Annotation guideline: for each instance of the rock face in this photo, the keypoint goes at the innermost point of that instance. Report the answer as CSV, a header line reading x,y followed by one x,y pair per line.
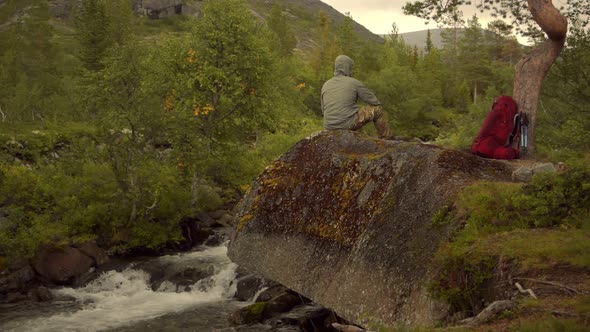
x,y
346,220
62,265
156,9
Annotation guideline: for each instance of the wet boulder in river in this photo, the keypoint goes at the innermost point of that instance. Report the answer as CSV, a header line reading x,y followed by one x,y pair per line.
x,y
61,265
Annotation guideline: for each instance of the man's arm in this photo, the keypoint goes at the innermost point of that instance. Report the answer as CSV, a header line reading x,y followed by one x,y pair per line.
x,y
366,95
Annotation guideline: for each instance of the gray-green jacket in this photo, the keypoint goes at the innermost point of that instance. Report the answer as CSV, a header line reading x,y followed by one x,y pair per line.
x,y
340,95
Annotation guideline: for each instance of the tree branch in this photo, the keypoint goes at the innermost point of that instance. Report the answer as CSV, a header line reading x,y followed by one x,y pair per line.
x,y
551,283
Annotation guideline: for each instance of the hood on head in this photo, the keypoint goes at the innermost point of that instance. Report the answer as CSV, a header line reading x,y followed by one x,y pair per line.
x,y
343,66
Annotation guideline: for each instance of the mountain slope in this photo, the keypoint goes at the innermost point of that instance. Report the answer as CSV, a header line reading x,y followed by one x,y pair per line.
x,y
305,13
302,15
418,38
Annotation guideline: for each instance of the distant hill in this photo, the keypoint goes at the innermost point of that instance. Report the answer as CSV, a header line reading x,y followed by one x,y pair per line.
x,y
418,38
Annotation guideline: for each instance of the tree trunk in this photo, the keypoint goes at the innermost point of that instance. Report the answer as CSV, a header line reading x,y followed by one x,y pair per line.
x,y
532,69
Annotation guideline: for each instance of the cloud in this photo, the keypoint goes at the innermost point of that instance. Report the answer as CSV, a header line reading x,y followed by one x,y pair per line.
x,y
378,15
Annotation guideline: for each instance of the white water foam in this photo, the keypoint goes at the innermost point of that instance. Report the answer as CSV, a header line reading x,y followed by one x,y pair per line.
x,y
123,298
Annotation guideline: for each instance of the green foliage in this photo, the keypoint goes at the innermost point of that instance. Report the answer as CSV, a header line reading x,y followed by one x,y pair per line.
x,y
99,25
461,279
146,116
544,248
207,198
442,216
239,166
550,200
168,117
92,27
57,205
277,23
221,77
564,123
558,200
28,72
498,218
323,56
348,41
462,128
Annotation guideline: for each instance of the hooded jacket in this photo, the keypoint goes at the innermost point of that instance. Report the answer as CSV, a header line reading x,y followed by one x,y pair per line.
x,y
340,95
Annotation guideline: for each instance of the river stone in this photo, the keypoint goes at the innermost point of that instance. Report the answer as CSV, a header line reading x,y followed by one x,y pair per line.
x,y
15,297
226,220
346,220
95,252
261,311
194,233
247,286
40,294
217,214
304,316
17,279
61,265
250,314
526,172
523,174
282,303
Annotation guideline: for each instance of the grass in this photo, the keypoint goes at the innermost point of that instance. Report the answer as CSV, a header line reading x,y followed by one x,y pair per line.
x,y
538,248
544,248
550,324
535,227
23,131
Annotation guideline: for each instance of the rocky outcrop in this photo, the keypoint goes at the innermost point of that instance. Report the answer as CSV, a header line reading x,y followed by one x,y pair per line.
x,y
16,279
61,265
61,8
156,9
347,221
93,251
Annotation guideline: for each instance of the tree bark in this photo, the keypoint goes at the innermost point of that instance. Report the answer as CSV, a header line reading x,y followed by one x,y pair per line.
x,y
532,69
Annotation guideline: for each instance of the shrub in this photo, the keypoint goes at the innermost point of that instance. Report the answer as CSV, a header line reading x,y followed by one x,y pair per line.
x,y
52,204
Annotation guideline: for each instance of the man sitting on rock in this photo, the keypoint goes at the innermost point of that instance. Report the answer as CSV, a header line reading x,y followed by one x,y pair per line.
x,y
339,102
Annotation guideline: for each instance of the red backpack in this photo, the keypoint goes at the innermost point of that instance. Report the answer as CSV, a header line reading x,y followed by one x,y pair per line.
x,y
500,130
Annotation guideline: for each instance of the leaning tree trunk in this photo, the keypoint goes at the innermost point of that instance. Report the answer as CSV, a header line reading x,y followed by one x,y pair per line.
x,y
532,69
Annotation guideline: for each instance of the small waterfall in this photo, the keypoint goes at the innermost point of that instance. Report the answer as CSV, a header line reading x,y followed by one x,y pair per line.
x,y
123,298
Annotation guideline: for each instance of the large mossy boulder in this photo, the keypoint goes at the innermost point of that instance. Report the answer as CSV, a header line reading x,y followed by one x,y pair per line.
x,y
354,222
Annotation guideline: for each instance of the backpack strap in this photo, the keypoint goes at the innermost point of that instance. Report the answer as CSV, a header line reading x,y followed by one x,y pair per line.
x,y
524,133
515,129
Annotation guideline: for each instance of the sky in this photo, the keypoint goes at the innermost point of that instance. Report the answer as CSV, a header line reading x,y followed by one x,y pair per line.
x,y
378,15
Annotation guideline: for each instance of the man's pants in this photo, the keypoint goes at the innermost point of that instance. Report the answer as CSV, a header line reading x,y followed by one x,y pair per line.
x,y
375,114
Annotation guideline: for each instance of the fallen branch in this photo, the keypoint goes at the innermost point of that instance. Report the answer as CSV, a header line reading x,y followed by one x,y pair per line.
x,y
525,291
489,313
572,290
